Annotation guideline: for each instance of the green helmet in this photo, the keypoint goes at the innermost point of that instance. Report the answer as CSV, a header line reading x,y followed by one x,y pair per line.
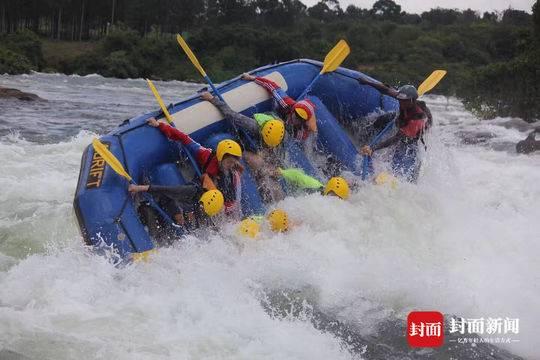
x,y
407,92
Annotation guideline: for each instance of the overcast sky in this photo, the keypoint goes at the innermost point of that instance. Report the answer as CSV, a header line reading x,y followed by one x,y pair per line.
x,y
418,6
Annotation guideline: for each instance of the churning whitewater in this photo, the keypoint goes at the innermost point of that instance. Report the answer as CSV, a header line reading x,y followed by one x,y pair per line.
x,y
463,241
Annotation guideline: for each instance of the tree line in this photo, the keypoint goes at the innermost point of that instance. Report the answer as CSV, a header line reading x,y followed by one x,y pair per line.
x,y
492,57
85,19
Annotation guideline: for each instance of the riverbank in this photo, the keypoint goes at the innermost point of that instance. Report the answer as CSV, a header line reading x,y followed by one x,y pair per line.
x,y
59,55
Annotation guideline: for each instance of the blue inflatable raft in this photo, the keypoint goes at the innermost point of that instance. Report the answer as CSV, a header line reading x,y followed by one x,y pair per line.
x,y
107,214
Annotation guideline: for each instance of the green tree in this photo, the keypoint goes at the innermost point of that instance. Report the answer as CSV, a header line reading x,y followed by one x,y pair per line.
x,y
280,12
515,17
469,16
355,12
27,44
325,10
13,63
232,11
490,17
386,9
536,19
441,16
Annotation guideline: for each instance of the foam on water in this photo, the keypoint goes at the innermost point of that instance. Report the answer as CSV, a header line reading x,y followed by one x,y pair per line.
x,y
463,241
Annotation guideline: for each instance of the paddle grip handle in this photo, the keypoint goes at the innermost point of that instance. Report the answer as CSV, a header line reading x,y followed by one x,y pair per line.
x,y
214,89
365,162
383,132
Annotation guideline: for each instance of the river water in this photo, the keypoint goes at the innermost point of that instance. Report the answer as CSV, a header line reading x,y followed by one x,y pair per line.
x,y
465,241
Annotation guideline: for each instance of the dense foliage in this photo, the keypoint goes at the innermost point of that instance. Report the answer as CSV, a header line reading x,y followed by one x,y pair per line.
x,y
492,58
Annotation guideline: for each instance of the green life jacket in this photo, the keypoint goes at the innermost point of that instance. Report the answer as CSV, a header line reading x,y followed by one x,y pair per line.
x,y
263,118
299,179
257,218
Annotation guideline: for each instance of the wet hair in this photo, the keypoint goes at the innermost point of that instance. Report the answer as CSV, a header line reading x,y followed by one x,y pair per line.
x,y
238,165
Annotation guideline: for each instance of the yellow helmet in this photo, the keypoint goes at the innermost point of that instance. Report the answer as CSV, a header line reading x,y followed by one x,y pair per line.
x,y
273,132
386,178
305,109
212,202
228,146
249,228
279,220
338,186
302,113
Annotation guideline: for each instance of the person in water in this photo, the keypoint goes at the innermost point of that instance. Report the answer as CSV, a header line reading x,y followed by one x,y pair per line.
x,y
189,205
222,167
278,219
296,179
413,120
299,115
530,144
268,130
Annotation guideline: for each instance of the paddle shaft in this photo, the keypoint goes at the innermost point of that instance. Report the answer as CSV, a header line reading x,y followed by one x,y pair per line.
x,y
308,88
183,44
374,142
162,212
189,155
332,61
383,132
214,89
193,162
168,116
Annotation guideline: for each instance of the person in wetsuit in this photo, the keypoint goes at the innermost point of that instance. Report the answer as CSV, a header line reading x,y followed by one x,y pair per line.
x,y
413,120
222,167
268,130
189,205
299,116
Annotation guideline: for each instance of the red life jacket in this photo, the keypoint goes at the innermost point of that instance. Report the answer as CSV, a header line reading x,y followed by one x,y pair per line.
x,y
412,122
230,186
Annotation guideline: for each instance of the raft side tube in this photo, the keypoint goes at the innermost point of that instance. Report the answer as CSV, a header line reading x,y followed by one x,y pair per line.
x,y
100,200
332,139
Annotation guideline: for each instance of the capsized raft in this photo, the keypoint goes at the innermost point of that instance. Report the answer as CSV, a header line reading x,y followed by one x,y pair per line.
x,y
107,214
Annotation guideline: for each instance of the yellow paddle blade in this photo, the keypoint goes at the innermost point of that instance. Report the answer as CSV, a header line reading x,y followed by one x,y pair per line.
x,y
431,81
160,101
110,158
336,56
190,54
